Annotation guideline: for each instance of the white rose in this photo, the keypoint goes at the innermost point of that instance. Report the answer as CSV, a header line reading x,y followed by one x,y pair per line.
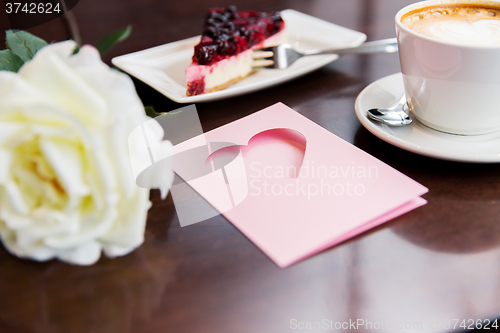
x,y
67,189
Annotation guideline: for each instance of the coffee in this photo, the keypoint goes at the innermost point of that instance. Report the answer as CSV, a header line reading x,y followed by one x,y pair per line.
x,y
465,24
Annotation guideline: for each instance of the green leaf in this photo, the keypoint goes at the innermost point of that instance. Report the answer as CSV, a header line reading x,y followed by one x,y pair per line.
x,y
24,44
150,111
115,37
10,61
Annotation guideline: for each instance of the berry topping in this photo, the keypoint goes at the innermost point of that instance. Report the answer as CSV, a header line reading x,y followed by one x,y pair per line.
x,y
227,32
196,87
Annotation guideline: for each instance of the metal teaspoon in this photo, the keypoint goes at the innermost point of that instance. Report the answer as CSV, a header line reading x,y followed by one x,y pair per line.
x,y
392,116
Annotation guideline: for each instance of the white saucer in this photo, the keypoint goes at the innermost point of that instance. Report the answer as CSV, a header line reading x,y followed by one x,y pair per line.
x,y
163,67
419,138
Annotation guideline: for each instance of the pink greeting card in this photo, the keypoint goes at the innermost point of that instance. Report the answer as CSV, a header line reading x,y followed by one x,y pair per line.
x,y
292,187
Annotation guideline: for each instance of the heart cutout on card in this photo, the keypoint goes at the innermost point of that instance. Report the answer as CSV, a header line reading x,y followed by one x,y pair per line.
x,y
274,153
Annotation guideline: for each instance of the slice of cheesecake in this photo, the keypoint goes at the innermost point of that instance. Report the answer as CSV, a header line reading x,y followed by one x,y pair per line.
x,y
224,54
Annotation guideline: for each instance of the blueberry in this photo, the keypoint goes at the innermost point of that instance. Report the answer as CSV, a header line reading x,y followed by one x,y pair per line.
x,y
204,54
276,16
277,26
229,26
211,32
218,18
231,48
223,35
210,22
241,31
221,47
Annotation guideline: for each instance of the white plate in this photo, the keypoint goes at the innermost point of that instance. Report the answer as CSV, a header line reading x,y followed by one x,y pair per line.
x,y
162,67
419,138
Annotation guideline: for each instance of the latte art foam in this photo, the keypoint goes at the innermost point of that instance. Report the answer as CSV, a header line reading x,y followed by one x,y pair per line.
x,y
459,24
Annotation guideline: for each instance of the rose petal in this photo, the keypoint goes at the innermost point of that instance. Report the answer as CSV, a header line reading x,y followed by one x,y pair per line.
x,y
51,75
113,251
57,132
62,49
38,253
89,231
67,164
10,130
45,223
15,93
139,155
15,198
150,157
86,254
87,56
5,162
120,158
12,219
128,230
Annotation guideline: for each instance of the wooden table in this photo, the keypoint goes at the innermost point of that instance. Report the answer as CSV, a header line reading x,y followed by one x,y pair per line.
x,y
437,264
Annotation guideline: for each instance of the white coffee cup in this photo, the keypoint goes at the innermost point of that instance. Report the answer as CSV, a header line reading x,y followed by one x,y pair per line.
x,y
451,86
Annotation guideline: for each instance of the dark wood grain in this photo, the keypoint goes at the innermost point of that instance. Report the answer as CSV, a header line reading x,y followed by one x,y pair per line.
x,y
439,262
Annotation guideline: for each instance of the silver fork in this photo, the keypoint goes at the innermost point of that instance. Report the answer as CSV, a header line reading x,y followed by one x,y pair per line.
x,y
282,56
